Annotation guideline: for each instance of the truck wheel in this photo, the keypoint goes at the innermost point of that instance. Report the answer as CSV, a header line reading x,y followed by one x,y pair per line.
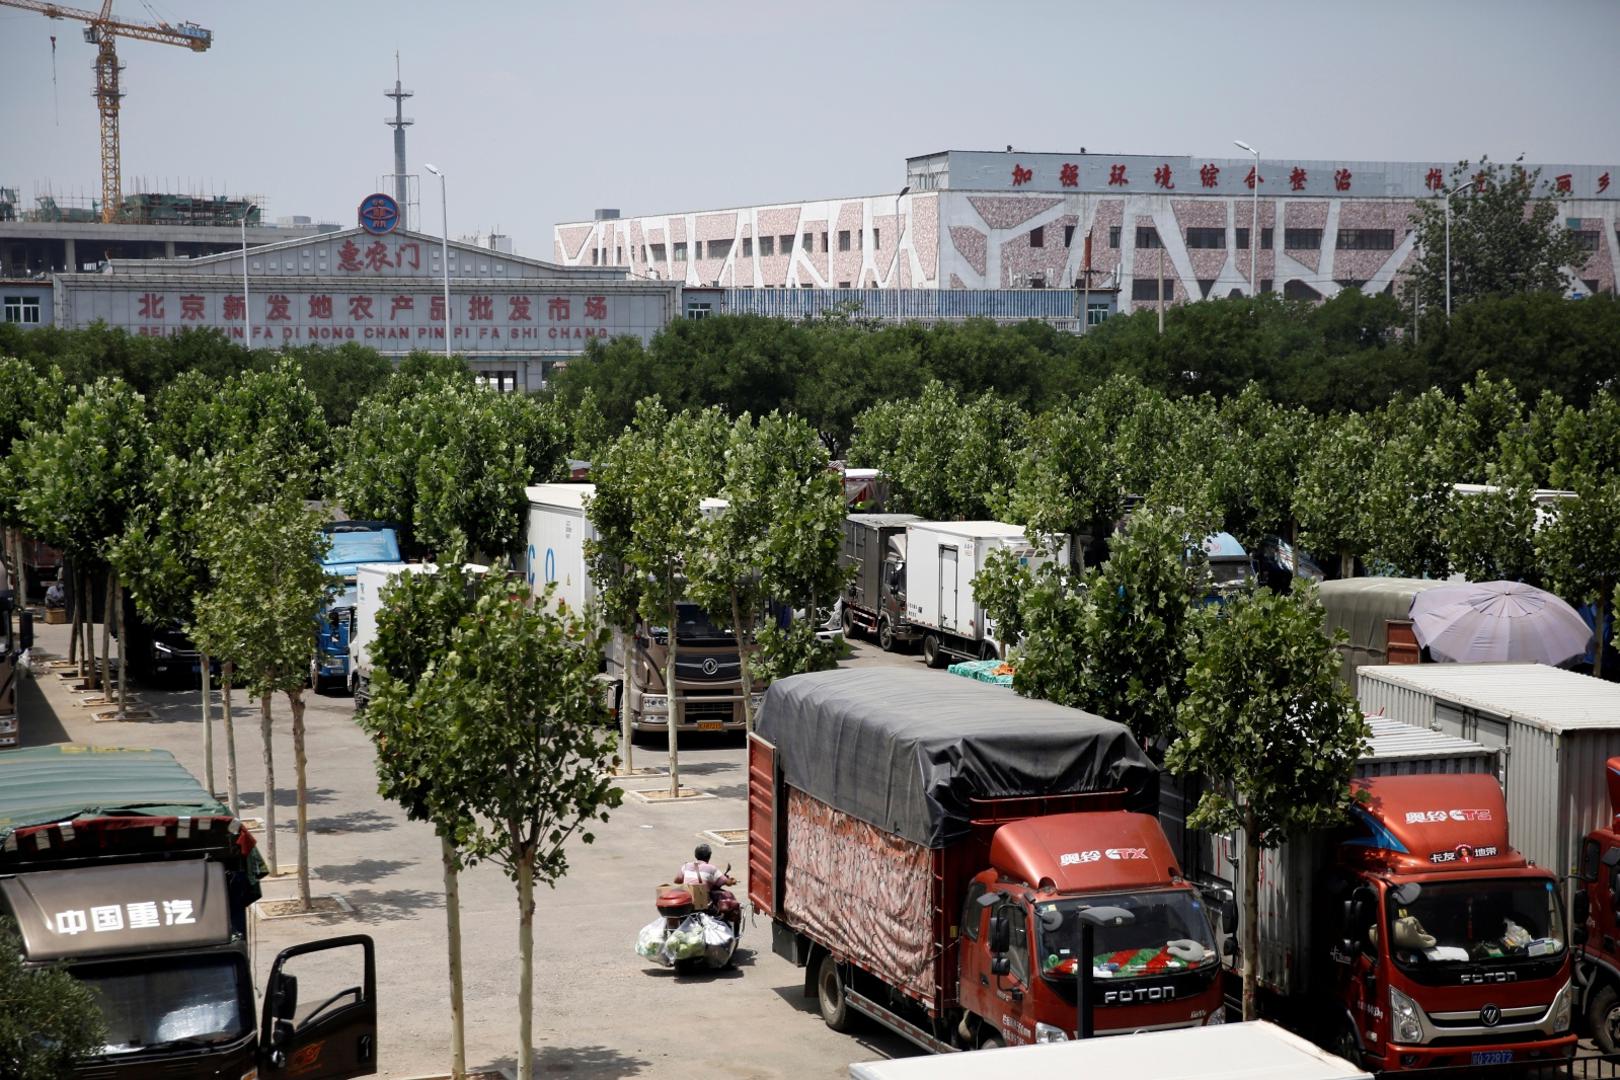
x,y
830,995
886,634
1345,1044
932,656
1603,1017
848,620
989,1042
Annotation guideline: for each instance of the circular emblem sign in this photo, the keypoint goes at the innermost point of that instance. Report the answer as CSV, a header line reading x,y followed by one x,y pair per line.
x,y
379,214
1490,1016
709,666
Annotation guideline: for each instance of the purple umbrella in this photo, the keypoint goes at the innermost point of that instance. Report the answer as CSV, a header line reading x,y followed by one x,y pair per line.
x,y
1506,621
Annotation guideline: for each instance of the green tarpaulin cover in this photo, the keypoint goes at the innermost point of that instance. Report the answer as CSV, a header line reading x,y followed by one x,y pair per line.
x,y
42,784
984,671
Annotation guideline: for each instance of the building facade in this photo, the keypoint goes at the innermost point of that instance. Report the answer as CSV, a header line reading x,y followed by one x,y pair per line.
x,y
974,220
512,318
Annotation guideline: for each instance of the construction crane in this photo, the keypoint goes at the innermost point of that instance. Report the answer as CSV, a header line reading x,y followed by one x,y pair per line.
x,y
103,32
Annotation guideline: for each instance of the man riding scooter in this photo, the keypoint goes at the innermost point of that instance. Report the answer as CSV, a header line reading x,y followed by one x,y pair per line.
x,y
700,871
699,922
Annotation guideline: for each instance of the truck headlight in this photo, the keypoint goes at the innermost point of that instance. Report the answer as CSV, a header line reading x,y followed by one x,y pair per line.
x,y
1216,1015
1563,1006
1046,1033
654,702
162,649
1407,1017
755,701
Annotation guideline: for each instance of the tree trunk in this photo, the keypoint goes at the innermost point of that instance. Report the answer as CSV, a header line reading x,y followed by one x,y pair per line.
x,y
742,662
208,726
452,925
295,699
123,637
226,673
75,654
269,784
671,711
525,869
1251,915
106,643
627,684
1347,564
1602,622
87,652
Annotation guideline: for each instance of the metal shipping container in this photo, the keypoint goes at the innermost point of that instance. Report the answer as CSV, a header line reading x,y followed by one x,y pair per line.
x,y
1555,728
1289,872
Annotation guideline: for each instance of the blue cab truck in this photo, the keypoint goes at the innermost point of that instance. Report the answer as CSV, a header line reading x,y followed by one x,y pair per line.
x,y
352,543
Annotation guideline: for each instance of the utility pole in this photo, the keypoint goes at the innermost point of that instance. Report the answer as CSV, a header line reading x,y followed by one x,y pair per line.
x,y
1161,280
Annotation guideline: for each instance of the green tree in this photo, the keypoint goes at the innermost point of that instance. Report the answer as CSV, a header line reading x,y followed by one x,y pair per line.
x,y
520,707
415,628
1332,501
1506,238
1273,730
1580,547
51,1021
1066,480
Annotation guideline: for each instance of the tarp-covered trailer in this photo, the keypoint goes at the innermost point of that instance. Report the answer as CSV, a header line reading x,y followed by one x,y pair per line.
x,y
1375,614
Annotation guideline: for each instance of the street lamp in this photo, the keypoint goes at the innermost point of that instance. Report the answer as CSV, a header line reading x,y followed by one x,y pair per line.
x,y
1090,919
1448,196
247,307
899,235
444,254
1254,225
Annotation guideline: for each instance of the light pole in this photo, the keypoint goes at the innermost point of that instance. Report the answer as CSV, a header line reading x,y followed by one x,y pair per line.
x,y
1448,196
247,306
444,254
1090,919
899,235
1254,225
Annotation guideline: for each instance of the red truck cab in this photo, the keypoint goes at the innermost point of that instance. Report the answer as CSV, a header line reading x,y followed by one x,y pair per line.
x,y
1161,971
1453,950
1597,915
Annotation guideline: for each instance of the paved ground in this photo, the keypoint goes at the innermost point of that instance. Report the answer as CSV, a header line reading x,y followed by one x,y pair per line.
x,y
601,1011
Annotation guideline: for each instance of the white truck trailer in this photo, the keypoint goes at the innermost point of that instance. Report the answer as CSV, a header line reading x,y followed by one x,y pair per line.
x,y
370,579
942,559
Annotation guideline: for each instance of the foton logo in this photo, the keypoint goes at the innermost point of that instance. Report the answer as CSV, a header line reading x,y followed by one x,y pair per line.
x,y
1489,977
1140,994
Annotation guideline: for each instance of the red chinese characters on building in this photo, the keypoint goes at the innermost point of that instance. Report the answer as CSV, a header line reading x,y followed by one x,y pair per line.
x,y
1341,180
596,307
360,307
349,256
517,309
1296,179
276,308
1069,175
480,308
1162,177
1561,183
235,307
1209,175
1021,176
411,251
377,256
1249,181
558,308
1434,180
192,306
1116,176
1603,183
436,309
151,305
1482,180
399,304
320,306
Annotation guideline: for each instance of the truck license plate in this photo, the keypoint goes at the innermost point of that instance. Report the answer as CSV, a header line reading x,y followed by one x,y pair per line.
x,y
711,725
1492,1057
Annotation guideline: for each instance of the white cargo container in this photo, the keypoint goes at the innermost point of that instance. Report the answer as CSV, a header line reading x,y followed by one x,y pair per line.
x,y
370,579
1253,1051
942,559
1290,872
1555,728
555,545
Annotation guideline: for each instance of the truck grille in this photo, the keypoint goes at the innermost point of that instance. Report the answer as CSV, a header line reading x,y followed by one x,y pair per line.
x,y
699,710
708,668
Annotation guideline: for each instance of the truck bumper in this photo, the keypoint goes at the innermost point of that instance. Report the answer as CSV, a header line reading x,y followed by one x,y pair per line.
x,y
1398,1058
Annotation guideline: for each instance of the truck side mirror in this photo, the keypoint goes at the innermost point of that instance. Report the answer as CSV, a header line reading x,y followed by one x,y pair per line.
x,y
283,1004
1000,935
1229,947
1000,965
25,629
1581,909
1587,866
1229,916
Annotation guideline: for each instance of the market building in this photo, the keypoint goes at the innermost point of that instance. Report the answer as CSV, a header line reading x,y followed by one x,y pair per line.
x,y
978,221
513,318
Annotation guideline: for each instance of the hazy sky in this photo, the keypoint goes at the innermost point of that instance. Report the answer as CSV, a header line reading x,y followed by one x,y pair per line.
x,y
539,113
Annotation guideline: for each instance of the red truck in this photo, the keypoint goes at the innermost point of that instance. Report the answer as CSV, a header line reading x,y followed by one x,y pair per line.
x,y
927,850
1416,936
1597,916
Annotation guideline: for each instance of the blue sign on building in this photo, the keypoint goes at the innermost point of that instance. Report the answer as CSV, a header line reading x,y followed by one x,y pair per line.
x,y
379,214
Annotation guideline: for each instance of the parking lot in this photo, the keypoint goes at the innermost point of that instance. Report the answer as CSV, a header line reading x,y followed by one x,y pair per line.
x,y
601,1011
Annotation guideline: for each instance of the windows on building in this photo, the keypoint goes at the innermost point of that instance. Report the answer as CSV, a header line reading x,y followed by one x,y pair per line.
x,y
748,246
1037,236
1096,313
1589,239
719,249
784,243
824,245
680,252
22,309
1243,239
1302,239
1366,240
504,381
1203,237
1147,237
843,239
1113,236
699,309
767,246
876,243
655,253
1068,236
1146,290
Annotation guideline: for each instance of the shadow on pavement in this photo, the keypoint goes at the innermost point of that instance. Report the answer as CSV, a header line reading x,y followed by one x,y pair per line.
x,y
285,796
359,872
37,721
579,1061
356,821
374,906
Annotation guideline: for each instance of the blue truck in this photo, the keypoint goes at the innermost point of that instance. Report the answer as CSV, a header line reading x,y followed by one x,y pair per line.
x,y
352,543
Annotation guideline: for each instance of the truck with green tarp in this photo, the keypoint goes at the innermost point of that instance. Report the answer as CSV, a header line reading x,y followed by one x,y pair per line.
x,y
118,866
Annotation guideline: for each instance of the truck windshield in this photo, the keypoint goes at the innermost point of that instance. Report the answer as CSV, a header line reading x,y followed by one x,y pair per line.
x,y
1170,934
1474,921
151,1003
693,627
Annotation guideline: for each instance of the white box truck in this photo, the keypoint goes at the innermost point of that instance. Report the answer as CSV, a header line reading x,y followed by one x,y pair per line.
x,y
370,579
942,559
708,675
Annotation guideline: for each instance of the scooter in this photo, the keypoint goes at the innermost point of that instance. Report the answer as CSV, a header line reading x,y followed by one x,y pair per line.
x,y
675,904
